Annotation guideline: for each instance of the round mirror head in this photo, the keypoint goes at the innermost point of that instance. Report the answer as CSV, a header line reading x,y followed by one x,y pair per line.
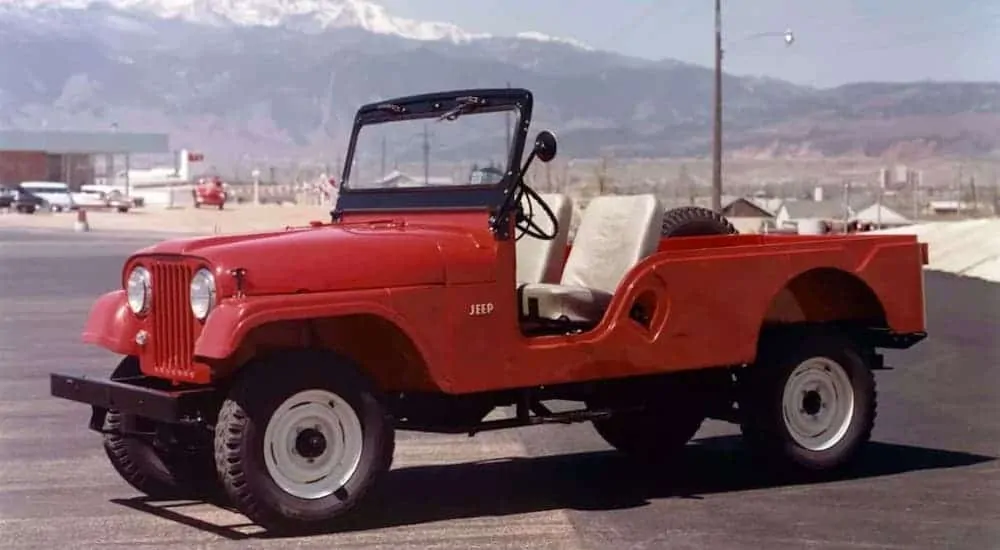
x,y
545,146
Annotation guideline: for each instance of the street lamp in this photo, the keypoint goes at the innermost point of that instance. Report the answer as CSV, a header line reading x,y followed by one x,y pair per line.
x,y
789,38
255,177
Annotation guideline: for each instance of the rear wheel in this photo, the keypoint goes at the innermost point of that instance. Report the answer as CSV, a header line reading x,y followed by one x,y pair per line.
x,y
809,404
160,463
298,451
673,409
671,418
654,434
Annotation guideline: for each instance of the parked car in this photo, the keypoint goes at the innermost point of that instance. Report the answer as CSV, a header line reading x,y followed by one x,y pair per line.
x,y
20,200
56,195
278,366
210,191
103,196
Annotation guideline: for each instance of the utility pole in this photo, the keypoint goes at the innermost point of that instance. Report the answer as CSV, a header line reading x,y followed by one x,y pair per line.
x,y
427,157
958,190
717,130
975,196
383,158
789,37
507,115
878,215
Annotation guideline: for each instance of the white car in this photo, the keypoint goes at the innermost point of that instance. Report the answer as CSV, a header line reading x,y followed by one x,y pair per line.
x,y
56,194
102,196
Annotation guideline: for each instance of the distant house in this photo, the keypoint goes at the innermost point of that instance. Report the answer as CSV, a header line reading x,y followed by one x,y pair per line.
x,y
880,215
792,212
744,207
748,215
947,206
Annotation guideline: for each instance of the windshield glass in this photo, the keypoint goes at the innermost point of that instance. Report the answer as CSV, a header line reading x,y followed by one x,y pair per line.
x,y
471,149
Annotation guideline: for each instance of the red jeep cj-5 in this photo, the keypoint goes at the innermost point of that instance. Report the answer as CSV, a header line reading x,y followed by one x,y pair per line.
x,y
278,366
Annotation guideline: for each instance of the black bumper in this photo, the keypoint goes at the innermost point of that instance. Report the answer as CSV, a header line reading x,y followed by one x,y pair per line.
x,y
140,396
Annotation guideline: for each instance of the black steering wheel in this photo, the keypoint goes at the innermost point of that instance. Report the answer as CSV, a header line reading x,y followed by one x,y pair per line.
x,y
526,223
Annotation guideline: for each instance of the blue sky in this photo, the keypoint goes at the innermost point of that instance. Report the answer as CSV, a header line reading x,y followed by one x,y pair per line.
x,y
837,41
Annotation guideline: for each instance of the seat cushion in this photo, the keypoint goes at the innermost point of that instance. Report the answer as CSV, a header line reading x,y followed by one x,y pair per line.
x,y
554,302
615,233
538,261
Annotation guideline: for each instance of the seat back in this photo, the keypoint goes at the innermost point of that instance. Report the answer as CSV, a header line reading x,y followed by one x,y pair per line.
x,y
615,233
536,259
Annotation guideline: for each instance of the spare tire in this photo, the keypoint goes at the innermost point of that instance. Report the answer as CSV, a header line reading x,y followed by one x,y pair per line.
x,y
695,221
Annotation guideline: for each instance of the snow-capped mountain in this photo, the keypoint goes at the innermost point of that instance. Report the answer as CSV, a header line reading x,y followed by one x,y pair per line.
x,y
303,15
284,77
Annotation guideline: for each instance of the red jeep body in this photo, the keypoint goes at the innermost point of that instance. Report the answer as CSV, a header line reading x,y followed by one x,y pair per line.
x,y
415,304
705,315
210,191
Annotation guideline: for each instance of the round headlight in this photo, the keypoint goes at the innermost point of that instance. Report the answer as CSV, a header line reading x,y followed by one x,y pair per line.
x,y
202,293
139,289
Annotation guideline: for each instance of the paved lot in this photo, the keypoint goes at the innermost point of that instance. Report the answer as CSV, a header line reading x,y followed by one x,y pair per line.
x,y
930,481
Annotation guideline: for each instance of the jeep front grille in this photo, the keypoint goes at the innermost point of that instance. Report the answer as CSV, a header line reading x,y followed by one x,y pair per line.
x,y
173,327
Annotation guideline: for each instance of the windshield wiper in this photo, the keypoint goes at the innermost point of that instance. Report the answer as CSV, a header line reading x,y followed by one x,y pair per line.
x,y
465,104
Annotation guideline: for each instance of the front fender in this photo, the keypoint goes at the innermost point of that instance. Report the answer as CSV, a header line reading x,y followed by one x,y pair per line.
x,y
231,321
111,324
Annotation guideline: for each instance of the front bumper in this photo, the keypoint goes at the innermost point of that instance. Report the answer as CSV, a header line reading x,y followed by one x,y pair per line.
x,y
140,396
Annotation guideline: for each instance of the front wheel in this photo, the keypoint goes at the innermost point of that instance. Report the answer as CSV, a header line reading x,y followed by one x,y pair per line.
x,y
162,464
299,451
810,404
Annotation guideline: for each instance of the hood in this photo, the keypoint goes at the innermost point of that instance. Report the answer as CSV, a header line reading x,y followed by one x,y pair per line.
x,y
341,257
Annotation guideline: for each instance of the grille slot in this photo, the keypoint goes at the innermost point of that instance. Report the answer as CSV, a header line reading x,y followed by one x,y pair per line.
x,y
173,326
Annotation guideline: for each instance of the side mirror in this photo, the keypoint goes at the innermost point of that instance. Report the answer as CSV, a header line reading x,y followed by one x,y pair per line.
x,y
545,146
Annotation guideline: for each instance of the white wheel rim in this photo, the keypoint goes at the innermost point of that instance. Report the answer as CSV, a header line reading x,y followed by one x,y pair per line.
x,y
818,403
312,444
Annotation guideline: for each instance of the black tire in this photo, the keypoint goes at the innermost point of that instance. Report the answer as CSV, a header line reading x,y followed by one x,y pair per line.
x,y
675,408
659,432
695,221
240,440
652,435
763,388
159,471
221,206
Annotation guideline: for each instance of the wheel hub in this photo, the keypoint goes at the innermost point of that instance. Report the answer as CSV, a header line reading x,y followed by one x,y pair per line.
x,y
818,404
310,443
812,402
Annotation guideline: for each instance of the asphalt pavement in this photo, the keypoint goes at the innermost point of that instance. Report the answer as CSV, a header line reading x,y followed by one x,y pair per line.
x,y
931,479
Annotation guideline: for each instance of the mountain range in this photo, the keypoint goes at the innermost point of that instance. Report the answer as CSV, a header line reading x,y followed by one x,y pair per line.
x,y
283,78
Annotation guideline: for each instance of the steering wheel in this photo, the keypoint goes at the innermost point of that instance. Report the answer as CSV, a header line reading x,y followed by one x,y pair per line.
x,y
527,224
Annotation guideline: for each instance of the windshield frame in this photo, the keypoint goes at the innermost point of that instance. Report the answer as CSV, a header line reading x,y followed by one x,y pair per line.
x,y
518,102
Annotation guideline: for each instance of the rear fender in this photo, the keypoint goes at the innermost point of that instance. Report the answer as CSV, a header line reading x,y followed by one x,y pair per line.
x,y
111,324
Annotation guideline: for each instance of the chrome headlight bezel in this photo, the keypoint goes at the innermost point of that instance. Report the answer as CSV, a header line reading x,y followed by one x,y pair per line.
x,y
202,293
139,290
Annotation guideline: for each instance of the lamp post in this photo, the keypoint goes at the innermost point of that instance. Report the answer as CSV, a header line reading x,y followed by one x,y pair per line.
x,y
789,38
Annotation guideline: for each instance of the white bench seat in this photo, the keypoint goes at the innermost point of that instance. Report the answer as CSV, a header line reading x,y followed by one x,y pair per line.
x,y
615,233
